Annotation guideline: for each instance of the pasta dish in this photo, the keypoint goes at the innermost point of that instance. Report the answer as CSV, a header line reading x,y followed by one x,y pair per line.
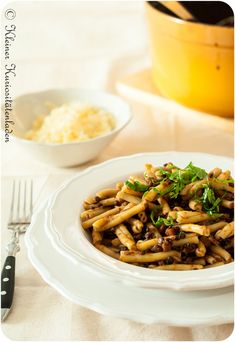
x,y
169,218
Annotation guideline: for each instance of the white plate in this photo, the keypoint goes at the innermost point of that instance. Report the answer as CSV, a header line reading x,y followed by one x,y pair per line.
x,y
68,236
81,286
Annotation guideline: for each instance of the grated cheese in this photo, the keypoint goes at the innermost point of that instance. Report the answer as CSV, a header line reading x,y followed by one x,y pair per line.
x,y
71,122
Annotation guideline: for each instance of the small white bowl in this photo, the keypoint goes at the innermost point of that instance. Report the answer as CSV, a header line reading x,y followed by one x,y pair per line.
x,y
28,107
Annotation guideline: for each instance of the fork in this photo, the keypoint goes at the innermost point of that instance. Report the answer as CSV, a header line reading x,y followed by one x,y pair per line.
x,y
19,219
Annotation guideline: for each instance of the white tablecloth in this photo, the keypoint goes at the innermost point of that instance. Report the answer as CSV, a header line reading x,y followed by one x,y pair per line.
x,y
88,45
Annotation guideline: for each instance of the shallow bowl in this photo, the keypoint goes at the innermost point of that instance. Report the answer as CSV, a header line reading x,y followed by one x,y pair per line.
x,y
69,238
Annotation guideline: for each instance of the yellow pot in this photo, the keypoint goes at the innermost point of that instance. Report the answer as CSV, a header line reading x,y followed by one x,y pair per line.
x,y
193,63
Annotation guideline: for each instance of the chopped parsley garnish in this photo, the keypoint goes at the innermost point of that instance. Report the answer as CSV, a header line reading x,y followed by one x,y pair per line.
x,y
209,201
161,220
217,215
169,190
181,178
137,186
164,191
196,173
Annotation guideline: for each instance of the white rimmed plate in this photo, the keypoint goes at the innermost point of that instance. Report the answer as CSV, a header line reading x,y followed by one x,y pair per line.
x,y
70,239
81,286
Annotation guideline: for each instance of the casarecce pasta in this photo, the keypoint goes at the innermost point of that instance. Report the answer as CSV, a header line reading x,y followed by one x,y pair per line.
x,y
169,218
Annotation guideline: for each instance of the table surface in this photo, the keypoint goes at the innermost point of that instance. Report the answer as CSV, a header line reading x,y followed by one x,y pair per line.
x,y
57,54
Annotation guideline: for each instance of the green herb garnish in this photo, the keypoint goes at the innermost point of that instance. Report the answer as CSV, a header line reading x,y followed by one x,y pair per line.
x,y
195,172
181,178
209,201
161,220
137,186
217,215
169,190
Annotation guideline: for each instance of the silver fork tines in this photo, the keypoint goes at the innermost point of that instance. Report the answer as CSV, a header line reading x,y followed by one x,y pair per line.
x,y
21,205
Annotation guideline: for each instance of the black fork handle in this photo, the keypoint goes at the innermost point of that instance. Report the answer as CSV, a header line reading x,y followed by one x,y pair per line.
x,y
8,282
